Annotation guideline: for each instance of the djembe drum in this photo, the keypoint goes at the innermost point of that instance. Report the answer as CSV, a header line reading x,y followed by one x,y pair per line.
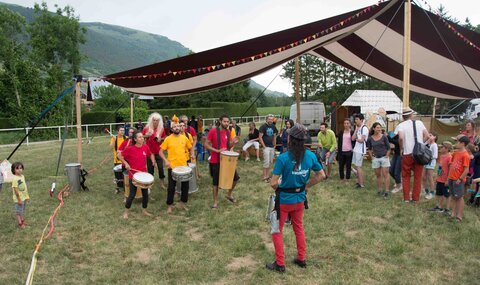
x,y
228,164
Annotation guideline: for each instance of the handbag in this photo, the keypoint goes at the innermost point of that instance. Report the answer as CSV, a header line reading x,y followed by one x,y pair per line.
x,y
422,154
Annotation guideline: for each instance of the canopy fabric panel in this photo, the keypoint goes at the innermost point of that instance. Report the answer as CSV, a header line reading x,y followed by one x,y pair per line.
x,y
368,40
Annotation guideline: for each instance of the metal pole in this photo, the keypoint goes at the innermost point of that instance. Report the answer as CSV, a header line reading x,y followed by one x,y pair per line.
x,y
79,122
406,54
297,88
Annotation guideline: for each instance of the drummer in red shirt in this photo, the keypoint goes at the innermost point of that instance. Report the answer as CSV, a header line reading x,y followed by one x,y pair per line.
x,y
134,158
212,145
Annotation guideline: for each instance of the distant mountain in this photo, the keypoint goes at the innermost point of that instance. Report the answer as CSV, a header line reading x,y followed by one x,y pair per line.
x,y
109,48
269,93
112,48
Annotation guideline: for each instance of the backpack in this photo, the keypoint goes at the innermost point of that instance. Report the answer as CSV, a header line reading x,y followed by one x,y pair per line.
x,y
422,154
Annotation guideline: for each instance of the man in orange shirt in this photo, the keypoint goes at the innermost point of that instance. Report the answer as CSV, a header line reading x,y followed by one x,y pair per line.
x,y
458,175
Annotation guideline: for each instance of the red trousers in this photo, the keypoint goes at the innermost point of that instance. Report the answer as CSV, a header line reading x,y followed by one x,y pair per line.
x,y
408,164
296,214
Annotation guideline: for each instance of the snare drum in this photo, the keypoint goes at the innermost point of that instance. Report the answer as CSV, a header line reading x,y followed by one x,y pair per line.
x,y
182,173
117,171
192,184
228,164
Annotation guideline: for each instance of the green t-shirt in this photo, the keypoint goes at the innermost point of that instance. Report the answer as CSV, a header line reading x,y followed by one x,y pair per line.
x,y
19,182
328,140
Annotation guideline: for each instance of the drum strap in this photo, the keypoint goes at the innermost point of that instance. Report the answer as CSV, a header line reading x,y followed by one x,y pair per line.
x,y
292,190
219,140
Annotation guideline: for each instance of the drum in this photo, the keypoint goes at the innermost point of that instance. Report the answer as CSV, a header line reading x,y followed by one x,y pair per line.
x,y
182,173
117,170
127,188
143,180
228,164
192,184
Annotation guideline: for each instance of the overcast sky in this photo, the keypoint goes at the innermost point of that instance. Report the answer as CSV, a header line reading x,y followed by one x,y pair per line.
x,y
205,24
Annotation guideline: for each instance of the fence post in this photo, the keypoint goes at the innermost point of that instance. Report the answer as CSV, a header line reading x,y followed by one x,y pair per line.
x,y
26,133
59,136
86,126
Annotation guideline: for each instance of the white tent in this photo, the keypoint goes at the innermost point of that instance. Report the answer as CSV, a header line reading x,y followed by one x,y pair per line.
x,y
373,103
370,101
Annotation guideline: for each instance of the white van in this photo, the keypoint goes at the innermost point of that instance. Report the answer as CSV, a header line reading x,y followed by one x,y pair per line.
x,y
473,109
312,114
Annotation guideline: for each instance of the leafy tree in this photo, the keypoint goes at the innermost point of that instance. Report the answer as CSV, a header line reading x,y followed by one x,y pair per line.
x,y
238,92
112,97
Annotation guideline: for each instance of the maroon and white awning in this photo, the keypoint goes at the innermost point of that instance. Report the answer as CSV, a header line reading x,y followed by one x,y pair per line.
x,y
445,57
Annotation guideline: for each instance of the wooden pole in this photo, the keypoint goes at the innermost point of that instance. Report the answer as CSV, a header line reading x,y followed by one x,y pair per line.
x,y
79,122
297,88
131,110
406,54
433,112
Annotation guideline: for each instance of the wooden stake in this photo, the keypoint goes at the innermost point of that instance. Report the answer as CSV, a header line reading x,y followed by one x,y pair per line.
x,y
297,88
406,54
79,123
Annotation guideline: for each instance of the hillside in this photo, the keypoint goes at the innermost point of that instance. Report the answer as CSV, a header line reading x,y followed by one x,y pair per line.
x,y
269,93
110,48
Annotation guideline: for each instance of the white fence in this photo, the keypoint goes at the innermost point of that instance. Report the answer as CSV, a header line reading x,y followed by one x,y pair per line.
x,y
113,126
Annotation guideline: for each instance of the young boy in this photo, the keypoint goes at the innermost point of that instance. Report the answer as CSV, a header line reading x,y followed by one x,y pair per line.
x,y
458,175
429,168
442,177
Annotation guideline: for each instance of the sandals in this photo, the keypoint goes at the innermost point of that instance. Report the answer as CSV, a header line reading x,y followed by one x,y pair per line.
x,y
267,179
231,199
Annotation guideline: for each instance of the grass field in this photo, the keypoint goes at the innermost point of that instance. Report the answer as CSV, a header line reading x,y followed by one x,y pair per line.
x,y
353,236
274,110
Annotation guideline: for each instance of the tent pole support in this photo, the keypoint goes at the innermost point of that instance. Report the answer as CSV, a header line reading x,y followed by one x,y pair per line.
x,y
406,54
79,121
297,88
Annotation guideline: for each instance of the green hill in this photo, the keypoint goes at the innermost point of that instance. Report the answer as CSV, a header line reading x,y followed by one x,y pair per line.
x,y
110,48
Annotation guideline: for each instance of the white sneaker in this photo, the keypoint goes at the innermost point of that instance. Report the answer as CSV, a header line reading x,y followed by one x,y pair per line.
x,y
397,189
258,159
247,158
429,196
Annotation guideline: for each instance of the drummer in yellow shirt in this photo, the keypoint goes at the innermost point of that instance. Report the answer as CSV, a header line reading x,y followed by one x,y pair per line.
x,y
176,146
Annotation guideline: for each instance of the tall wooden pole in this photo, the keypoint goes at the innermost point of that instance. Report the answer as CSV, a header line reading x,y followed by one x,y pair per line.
x,y
131,110
297,88
79,122
433,112
406,54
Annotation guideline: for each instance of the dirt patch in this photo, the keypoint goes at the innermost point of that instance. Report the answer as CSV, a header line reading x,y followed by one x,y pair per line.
x,y
194,234
144,255
351,234
267,241
244,261
378,220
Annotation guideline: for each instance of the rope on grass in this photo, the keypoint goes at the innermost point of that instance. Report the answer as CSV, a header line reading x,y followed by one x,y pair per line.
x,y
51,222
45,236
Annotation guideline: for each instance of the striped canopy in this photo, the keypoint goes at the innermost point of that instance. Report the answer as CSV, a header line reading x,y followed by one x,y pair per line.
x,y
445,57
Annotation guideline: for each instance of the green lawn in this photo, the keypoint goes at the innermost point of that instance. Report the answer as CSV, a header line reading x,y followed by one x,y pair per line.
x,y
353,236
274,110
